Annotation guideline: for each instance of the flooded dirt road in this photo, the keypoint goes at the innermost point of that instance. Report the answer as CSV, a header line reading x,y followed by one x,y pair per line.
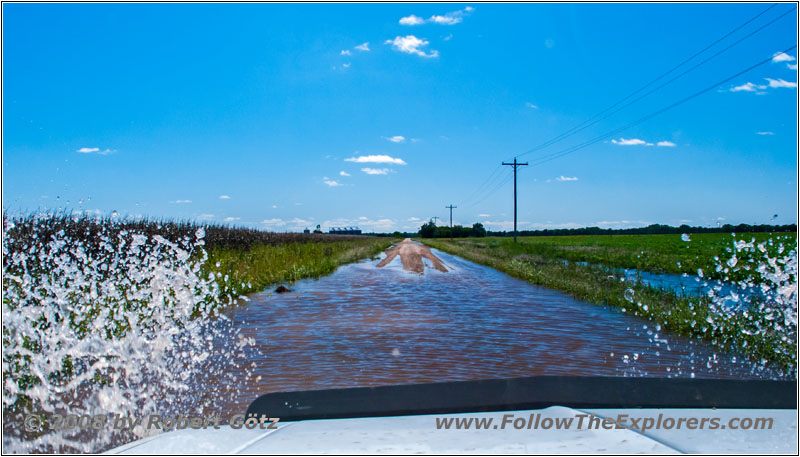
x,y
370,326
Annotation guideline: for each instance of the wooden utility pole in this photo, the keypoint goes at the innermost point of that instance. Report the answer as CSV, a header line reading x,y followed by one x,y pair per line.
x,y
433,219
515,165
451,219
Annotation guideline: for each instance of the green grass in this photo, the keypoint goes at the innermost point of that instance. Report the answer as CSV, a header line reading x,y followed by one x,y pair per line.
x,y
653,253
540,260
262,266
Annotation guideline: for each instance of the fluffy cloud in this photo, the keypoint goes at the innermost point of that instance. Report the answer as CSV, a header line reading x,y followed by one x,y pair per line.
x,y
182,201
224,197
667,144
447,19
531,105
331,182
375,171
765,133
748,87
760,88
395,139
362,47
376,159
410,44
345,52
451,18
781,83
412,20
631,142
344,173
782,57
231,219
791,66
563,178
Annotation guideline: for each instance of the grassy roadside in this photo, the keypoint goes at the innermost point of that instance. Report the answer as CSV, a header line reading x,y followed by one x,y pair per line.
x,y
242,271
746,333
653,253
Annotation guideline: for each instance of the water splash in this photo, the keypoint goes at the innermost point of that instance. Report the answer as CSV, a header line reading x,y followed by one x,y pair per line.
x,y
117,323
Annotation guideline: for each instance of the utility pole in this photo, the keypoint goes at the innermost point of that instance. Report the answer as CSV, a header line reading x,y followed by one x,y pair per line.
x,y
433,219
451,219
515,165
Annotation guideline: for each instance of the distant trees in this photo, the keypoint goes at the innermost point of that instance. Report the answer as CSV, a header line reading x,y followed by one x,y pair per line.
x,y
653,229
431,230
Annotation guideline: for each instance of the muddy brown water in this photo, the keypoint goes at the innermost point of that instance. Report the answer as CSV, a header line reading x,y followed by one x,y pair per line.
x,y
367,326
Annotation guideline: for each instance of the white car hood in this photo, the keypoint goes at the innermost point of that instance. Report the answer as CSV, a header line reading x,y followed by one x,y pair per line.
x,y
419,434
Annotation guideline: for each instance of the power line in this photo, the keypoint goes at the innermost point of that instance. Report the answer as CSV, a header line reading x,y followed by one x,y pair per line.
x,y
593,120
673,79
492,191
477,190
570,150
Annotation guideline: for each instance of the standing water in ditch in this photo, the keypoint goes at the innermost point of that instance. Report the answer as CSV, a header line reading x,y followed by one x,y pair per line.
x,y
369,326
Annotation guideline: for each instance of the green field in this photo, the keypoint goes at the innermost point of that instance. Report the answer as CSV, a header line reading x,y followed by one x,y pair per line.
x,y
653,253
541,260
243,271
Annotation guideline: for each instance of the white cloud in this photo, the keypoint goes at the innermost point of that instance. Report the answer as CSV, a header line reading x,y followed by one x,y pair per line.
x,y
411,20
346,65
375,171
631,142
765,133
275,222
410,44
782,57
98,151
331,183
665,143
791,66
231,219
395,139
345,52
362,47
376,159
448,37
451,18
274,206
414,219
531,105
484,215
224,197
182,201
344,173
781,83
367,225
748,87
759,88
205,217
563,178
447,19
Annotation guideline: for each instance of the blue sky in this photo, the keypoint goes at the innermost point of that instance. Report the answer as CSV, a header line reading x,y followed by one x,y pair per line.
x,y
287,116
